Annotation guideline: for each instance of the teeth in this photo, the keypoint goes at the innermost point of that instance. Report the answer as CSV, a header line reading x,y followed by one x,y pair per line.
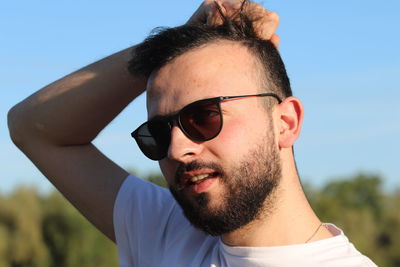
x,y
198,177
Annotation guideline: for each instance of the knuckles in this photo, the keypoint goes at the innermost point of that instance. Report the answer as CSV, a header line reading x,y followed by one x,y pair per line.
x,y
265,21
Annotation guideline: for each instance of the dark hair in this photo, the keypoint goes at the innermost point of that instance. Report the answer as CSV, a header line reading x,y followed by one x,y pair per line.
x,y
165,44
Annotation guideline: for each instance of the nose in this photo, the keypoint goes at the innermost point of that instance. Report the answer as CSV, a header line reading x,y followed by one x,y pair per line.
x,y
182,148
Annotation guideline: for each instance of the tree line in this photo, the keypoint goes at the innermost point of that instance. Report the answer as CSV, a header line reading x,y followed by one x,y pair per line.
x,y
39,230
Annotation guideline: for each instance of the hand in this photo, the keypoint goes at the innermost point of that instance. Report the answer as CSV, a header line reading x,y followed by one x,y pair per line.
x,y
265,22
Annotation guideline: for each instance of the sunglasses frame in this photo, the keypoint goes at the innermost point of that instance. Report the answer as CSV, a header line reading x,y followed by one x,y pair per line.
x,y
170,120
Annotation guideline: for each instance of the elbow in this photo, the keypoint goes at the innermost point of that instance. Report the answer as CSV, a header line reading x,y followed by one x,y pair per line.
x,y
15,126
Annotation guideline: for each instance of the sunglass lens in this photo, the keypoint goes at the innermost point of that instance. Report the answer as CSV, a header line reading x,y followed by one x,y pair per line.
x,y
201,121
153,139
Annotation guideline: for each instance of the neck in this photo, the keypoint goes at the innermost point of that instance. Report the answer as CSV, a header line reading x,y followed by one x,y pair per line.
x,y
289,221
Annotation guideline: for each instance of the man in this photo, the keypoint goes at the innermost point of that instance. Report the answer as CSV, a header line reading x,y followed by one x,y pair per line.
x,y
222,124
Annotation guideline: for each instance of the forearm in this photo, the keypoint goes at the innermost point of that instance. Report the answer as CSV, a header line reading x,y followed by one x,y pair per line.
x,y
74,109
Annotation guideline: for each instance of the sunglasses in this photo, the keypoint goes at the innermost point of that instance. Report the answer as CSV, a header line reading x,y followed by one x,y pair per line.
x,y
200,121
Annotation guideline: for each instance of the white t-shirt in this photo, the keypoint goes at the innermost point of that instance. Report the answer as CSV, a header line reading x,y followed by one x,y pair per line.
x,y
151,230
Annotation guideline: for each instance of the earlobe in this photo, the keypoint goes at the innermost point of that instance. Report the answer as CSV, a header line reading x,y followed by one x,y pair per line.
x,y
290,113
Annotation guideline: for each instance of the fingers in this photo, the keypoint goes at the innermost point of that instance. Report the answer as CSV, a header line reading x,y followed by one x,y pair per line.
x,y
204,13
212,13
232,7
275,39
216,14
265,22
209,12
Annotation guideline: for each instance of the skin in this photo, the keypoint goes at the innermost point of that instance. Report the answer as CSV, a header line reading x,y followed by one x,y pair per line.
x,y
172,93
211,71
265,21
55,128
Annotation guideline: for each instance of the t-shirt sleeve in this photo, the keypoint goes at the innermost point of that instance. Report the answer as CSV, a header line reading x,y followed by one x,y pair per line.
x,y
143,215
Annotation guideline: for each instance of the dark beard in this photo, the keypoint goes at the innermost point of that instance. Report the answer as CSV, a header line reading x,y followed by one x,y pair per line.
x,y
249,192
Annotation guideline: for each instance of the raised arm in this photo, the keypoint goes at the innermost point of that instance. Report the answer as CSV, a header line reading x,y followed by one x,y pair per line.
x,y
55,126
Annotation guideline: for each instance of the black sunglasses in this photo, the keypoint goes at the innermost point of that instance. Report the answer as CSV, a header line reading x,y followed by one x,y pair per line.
x,y
199,121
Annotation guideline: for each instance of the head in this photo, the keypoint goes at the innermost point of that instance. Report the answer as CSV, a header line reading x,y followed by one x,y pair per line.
x,y
166,44
229,181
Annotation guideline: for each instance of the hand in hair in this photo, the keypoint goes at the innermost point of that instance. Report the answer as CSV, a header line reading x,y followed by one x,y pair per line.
x,y
214,12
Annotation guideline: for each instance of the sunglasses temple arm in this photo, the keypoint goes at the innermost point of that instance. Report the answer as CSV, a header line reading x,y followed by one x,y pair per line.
x,y
256,95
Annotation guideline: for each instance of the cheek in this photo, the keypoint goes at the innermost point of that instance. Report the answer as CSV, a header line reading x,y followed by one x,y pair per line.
x,y
231,140
238,135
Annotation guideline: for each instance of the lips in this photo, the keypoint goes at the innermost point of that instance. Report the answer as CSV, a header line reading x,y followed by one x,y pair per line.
x,y
198,181
199,177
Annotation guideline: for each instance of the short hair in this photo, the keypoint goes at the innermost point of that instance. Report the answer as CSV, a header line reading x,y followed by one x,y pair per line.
x,y
165,44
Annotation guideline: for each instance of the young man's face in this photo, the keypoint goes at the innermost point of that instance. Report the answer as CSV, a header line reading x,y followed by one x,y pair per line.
x,y
237,170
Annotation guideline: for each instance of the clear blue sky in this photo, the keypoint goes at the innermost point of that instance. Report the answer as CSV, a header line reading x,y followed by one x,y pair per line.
x,y
342,57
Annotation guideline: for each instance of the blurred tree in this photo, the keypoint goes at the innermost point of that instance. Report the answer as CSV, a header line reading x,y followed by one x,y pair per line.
x,y
46,230
389,231
72,240
359,207
4,237
20,218
157,178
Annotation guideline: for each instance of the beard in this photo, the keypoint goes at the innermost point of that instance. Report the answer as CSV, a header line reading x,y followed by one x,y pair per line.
x,y
249,188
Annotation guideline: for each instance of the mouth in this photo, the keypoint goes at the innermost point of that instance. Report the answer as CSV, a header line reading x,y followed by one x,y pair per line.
x,y
200,177
198,182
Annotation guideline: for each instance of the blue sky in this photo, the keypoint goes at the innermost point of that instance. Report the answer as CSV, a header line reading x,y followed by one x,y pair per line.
x,y
342,57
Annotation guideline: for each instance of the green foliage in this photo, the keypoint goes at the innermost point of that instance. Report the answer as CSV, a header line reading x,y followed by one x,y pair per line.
x,y
70,231
20,224
364,212
47,231
157,178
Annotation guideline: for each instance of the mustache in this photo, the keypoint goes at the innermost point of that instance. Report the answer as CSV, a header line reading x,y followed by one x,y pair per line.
x,y
193,166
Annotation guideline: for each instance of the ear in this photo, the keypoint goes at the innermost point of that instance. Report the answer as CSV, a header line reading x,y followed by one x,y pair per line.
x,y
290,118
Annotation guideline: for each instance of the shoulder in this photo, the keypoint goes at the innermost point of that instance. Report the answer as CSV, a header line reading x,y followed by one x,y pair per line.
x,y
150,227
338,250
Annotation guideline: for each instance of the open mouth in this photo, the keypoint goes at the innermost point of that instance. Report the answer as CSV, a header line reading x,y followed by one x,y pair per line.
x,y
198,183
201,177
197,179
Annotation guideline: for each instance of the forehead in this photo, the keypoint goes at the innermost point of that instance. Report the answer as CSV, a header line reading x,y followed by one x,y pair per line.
x,y
217,69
